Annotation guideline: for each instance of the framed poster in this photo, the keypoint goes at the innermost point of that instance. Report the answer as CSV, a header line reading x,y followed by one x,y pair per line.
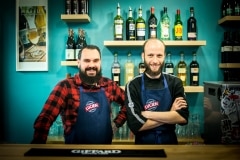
x,y
31,35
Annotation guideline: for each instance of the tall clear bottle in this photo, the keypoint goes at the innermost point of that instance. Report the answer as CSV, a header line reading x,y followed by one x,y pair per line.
x,y
118,25
152,24
169,66
116,69
194,71
165,25
182,69
130,26
140,26
129,68
178,27
70,46
192,26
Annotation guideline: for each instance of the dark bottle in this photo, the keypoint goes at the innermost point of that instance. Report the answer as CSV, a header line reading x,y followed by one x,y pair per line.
x,y
83,6
169,66
194,71
236,47
192,26
223,8
236,7
178,27
141,67
140,26
130,26
152,25
75,6
229,8
116,69
70,46
68,6
81,42
226,48
23,29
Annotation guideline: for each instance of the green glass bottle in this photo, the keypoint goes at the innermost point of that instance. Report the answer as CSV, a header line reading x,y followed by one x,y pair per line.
x,y
118,25
140,26
130,26
165,25
178,27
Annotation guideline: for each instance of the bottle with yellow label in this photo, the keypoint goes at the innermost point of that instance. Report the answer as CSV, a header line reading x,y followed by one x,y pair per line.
x,y
178,27
129,69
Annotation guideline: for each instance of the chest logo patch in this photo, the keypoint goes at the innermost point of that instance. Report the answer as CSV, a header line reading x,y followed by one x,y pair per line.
x,y
151,105
91,106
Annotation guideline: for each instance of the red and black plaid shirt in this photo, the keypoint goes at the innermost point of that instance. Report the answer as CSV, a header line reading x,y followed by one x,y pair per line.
x,y
65,100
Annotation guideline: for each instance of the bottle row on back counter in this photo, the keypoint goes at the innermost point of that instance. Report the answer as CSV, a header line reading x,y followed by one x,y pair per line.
x,y
136,29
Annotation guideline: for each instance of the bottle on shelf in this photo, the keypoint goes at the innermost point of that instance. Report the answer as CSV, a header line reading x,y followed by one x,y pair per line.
x,y
140,26
236,5
178,27
40,22
194,71
229,8
129,69
84,6
81,41
75,6
70,46
165,25
223,8
152,24
226,48
182,69
192,26
236,47
118,25
68,6
130,26
169,66
116,69
141,67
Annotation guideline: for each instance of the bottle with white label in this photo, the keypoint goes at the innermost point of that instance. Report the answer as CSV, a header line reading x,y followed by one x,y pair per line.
x,y
129,69
70,46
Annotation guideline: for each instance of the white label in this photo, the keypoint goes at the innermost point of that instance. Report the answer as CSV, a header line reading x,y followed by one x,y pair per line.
x,y
69,54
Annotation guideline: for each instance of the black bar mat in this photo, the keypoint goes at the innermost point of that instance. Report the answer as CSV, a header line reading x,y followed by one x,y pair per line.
x,y
95,152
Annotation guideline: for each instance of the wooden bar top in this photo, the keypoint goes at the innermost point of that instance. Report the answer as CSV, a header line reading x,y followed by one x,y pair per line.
x,y
173,152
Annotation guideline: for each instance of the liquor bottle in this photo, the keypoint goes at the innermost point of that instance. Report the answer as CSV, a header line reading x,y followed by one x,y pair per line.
x,y
129,69
118,25
194,71
182,69
40,22
130,26
75,6
192,26
236,6
226,48
178,27
116,69
84,6
68,6
81,41
236,47
165,25
229,8
141,67
223,8
140,26
152,25
169,66
70,46
23,29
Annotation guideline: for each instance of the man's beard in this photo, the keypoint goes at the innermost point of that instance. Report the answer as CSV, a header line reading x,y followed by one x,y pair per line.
x,y
153,73
90,79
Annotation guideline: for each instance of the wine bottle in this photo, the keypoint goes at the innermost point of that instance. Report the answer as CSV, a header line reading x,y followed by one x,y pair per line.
x,y
182,69
140,26
229,8
236,6
81,42
75,6
226,48
194,71
178,27
223,8
236,47
130,26
70,46
169,66
192,26
84,6
40,22
68,6
118,25
141,67
116,69
152,25
165,25
129,69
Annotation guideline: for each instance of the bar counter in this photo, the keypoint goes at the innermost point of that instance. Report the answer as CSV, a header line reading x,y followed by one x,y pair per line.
x,y
173,152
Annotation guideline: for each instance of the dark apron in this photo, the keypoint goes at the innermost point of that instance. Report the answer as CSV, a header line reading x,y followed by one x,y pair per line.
x,y
93,125
157,100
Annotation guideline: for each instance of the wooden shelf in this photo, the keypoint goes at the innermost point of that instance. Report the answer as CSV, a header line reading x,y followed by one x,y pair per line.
x,y
167,43
227,19
75,17
188,89
68,63
229,65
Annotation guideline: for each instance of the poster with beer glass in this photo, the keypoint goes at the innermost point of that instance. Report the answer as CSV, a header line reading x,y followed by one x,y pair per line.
x,y
31,35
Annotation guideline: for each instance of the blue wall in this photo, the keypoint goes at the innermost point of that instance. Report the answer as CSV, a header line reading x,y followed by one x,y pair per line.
x,y
25,92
